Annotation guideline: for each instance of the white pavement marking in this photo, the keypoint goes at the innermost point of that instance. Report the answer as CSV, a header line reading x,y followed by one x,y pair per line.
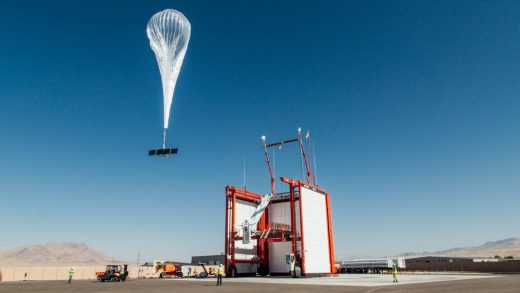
x,y
351,280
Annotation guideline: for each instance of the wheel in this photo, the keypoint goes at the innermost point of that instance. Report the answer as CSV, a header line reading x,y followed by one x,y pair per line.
x,y
232,272
297,271
100,279
263,271
114,279
163,275
180,274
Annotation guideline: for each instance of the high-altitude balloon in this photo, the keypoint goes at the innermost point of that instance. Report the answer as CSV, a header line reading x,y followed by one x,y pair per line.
x,y
169,33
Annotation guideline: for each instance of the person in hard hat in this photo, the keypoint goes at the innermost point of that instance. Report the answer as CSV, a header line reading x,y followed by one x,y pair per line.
x,y
122,273
394,274
71,274
220,272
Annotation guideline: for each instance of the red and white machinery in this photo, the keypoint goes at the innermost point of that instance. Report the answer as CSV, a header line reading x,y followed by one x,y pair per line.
x,y
288,233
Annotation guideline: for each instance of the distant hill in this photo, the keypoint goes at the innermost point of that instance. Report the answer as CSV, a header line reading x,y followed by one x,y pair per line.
x,y
504,247
50,254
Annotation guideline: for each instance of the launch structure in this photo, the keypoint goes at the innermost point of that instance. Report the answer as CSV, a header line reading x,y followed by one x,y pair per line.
x,y
286,233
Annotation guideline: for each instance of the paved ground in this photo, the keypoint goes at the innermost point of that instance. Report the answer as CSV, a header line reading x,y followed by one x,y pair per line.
x,y
413,283
364,280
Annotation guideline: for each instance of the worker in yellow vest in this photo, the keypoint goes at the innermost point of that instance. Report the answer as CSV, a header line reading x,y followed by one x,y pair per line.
x,y
122,273
220,273
71,274
394,274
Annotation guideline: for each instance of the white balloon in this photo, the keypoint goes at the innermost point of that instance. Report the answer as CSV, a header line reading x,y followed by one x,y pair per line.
x,y
169,33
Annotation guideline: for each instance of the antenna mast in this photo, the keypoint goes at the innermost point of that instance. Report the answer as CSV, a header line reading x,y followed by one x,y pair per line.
x,y
315,172
245,185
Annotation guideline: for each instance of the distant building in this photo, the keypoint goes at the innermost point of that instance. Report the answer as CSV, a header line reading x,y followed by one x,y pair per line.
x,y
375,265
216,259
485,259
449,259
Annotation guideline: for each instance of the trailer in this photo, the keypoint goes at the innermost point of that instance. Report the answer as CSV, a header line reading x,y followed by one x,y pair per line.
x,y
377,265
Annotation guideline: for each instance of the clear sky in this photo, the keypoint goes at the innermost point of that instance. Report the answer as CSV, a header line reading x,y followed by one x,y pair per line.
x,y
413,107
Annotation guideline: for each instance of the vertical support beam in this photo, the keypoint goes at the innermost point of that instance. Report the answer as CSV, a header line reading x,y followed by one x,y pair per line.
x,y
233,230
261,243
292,185
226,241
293,221
266,243
331,238
301,229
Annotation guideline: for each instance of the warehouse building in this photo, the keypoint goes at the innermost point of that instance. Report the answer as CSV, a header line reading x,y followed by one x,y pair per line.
x,y
215,259
449,259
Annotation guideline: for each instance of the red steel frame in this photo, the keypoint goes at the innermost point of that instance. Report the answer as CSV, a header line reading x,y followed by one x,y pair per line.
x,y
262,258
232,194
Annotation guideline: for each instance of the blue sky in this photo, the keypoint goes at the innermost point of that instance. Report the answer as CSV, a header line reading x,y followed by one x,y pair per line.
x,y
413,107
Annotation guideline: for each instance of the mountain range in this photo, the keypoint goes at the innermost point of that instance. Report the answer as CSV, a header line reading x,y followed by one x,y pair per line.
x,y
503,248
51,254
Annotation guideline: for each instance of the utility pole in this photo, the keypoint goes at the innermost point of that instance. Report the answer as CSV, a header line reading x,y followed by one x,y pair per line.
x,y
138,268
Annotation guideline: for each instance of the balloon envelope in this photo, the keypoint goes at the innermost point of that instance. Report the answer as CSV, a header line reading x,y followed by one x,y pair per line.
x,y
169,33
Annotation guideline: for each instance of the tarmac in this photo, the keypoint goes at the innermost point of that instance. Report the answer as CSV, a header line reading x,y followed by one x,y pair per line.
x,y
363,280
343,283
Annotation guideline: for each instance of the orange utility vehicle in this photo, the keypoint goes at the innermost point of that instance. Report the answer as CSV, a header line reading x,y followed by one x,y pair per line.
x,y
112,273
166,269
